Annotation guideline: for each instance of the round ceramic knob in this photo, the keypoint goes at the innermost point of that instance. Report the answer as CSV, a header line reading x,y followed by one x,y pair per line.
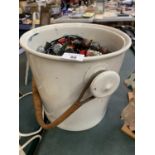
x,y
105,84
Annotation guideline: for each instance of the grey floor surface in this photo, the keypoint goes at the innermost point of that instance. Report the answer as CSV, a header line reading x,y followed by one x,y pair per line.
x,y
104,139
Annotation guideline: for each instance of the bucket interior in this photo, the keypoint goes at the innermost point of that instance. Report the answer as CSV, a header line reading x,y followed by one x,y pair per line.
x,y
105,36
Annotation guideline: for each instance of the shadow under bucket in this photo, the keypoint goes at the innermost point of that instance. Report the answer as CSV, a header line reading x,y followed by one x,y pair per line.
x,y
60,81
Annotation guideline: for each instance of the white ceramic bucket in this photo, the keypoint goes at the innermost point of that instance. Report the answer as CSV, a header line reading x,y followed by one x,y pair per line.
x,y
60,81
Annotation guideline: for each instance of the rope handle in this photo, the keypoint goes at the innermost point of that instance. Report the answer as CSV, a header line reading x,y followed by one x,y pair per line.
x,y
78,103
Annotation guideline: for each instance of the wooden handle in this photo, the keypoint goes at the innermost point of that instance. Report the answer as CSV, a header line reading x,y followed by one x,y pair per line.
x,y
38,105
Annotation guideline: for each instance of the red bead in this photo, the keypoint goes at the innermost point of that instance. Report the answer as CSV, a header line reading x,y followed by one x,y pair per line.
x,y
62,40
83,52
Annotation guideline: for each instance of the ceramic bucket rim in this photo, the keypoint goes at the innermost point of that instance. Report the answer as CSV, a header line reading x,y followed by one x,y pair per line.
x,y
26,36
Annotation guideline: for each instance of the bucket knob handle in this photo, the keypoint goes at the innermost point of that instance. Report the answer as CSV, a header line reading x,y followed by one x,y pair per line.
x,y
105,84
